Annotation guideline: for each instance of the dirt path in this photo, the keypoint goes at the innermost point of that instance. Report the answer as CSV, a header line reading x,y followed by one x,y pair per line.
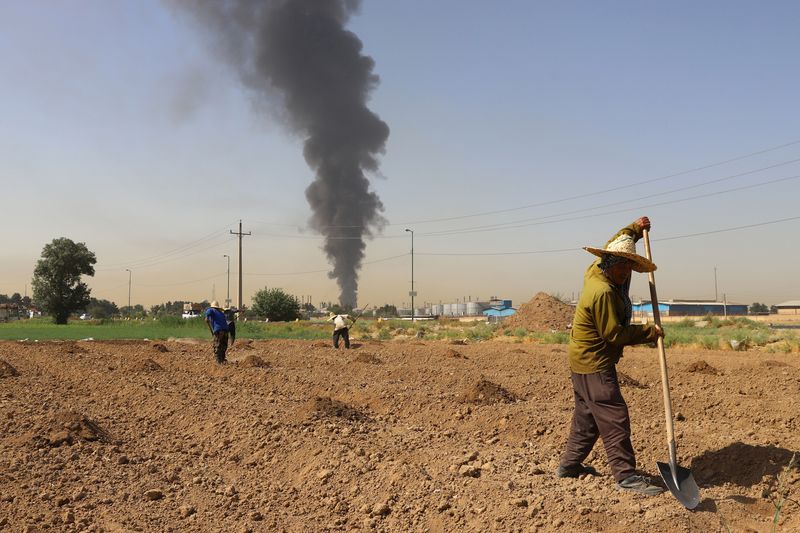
x,y
396,436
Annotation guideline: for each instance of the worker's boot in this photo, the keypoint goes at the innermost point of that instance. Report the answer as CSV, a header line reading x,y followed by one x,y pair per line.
x,y
639,485
575,471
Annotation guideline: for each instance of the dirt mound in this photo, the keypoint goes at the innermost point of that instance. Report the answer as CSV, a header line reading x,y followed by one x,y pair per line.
x,y
365,357
320,344
73,348
160,347
542,313
701,367
518,350
773,363
244,345
6,370
69,428
146,365
485,392
325,407
626,381
254,361
454,353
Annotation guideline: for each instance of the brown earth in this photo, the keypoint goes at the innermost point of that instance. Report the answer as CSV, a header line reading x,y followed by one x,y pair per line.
x,y
542,313
94,439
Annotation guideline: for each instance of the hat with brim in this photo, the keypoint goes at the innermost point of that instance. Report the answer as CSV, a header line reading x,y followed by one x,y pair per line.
x,y
215,305
624,246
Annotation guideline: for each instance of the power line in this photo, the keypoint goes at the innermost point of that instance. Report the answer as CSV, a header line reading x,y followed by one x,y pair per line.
x,y
293,273
604,191
675,237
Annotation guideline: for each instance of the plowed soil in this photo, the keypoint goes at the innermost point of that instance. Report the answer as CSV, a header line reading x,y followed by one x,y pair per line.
x,y
394,436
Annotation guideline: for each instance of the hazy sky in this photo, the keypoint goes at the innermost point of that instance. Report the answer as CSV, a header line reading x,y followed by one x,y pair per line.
x,y
540,127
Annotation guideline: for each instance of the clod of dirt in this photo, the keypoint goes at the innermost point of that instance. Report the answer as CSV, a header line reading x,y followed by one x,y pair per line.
x,y
147,365
518,350
325,407
6,370
320,344
486,393
626,381
459,342
69,428
365,357
72,348
160,347
542,313
773,363
454,353
244,345
254,361
702,367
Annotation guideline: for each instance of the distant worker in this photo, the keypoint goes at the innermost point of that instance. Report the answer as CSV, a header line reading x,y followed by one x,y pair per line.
x,y
230,318
341,328
218,325
601,328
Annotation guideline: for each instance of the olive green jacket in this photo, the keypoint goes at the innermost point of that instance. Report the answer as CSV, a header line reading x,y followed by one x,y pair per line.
x,y
598,330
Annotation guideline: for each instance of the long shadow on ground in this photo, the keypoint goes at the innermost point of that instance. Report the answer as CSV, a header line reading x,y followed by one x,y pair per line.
x,y
741,464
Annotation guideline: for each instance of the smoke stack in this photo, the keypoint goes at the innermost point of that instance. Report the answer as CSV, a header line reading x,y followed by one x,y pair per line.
x,y
298,53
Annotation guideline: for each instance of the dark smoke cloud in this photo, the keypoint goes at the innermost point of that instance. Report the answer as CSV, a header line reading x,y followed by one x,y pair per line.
x,y
300,52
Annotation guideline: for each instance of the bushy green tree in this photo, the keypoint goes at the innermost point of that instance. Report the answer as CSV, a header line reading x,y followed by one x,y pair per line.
x,y
386,311
758,308
101,308
57,285
276,305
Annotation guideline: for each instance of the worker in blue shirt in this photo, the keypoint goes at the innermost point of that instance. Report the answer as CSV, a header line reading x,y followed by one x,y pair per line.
x,y
218,325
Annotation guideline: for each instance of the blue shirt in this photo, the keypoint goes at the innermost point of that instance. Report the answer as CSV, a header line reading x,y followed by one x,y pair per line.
x,y
217,320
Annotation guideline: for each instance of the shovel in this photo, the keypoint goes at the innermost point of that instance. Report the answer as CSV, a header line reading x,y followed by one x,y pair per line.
x,y
678,479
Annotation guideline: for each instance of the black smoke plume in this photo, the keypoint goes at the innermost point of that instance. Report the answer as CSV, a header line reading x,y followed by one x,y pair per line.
x,y
299,52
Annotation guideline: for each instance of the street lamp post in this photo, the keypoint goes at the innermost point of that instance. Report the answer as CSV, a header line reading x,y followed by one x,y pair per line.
x,y
412,293
129,290
228,299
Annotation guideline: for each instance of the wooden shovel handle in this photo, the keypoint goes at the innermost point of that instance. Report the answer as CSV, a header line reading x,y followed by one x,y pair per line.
x,y
662,355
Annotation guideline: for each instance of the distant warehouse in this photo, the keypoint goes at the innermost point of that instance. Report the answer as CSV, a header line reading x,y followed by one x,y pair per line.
x,y
690,308
792,307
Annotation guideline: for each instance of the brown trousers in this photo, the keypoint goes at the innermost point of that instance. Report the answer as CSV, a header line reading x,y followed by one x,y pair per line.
x,y
600,411
220,345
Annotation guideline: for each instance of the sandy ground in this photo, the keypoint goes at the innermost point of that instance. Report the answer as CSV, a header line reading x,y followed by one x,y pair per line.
x,y
397,436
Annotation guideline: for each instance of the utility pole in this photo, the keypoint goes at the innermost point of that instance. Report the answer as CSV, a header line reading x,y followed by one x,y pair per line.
x,y
228,299
412,293
715,284
129,291
240,234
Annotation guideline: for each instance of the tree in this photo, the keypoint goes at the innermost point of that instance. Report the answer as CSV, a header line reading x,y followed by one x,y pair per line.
x,y
101,308
57,285
386,311
276,305
759,309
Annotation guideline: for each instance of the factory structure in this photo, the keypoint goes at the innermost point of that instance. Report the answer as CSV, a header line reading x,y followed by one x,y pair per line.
x,y
494,307
644,308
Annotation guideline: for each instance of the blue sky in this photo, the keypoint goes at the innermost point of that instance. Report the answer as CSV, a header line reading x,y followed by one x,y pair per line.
x,y
119,128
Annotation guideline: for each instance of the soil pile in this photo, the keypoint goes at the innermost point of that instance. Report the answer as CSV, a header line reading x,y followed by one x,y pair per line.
x,y
160,347
485,392
146,365
254,361
701,367
69,428
6,370
542,313
366,357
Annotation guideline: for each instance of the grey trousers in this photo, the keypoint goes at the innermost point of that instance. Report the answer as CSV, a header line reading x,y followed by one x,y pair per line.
x,y
600,411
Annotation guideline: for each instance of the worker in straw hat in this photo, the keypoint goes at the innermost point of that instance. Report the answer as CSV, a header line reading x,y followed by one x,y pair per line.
x,y
600,330
218,325
341,328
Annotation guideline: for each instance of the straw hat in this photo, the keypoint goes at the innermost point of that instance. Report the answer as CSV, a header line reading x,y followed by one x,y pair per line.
x,y
215,305
625,246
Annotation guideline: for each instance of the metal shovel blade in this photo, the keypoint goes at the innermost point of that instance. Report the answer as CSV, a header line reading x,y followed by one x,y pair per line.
x,y
681,484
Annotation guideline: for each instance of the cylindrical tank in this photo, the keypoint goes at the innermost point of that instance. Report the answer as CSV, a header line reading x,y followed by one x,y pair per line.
x,y
436,309
461,310
447,309
473,309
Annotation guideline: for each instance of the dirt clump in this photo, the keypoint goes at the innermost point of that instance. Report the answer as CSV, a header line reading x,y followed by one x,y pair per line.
x,y
254,361
366,357
6,370
484,392
773,363
542,313
454,353
626,381
146,365
160,347
69,428
326,407
702,367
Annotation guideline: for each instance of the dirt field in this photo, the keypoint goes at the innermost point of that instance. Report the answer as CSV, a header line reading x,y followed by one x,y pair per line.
x,y
395,436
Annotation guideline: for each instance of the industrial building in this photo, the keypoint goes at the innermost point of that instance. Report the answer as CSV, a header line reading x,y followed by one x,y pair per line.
x,y
792,307
690,308
494,307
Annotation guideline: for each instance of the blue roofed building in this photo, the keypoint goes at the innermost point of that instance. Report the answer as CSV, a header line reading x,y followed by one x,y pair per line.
x,y
690,308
